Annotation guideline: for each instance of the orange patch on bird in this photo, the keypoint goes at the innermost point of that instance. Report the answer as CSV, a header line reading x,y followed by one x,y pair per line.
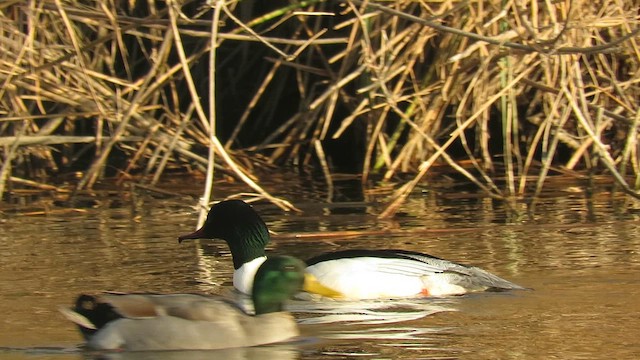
x,y
425,292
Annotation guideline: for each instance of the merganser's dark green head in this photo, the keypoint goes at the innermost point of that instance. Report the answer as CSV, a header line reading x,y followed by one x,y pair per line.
x,y
237,223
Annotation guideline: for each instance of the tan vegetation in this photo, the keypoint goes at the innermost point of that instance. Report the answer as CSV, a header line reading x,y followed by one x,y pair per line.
x,y
502,92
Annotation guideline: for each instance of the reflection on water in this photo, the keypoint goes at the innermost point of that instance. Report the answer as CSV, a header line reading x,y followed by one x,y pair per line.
x,y
284,352
280,352
363,312
580,255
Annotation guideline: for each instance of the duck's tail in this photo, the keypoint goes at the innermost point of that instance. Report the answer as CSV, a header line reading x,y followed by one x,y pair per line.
x,y
89,314
492,282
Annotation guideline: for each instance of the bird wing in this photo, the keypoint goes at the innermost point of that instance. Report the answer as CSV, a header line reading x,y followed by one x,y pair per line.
x,y
185,306
390,261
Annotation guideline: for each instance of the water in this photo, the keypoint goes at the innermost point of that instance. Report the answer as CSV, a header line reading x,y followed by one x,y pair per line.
x,y
580,256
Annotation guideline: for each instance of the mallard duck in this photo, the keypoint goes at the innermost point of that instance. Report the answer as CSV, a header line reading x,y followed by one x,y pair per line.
x,y
348,274
190,321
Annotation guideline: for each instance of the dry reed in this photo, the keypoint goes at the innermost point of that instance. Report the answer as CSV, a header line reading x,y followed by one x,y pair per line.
x,y
502,92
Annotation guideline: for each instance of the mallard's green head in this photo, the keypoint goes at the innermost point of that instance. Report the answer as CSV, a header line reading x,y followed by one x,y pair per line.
x,y
237,223
276,281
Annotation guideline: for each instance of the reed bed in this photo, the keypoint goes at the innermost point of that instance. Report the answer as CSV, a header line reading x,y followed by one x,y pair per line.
x,y
503,93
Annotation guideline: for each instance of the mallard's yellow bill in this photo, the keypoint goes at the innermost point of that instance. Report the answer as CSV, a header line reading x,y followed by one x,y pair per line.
x,y
312,285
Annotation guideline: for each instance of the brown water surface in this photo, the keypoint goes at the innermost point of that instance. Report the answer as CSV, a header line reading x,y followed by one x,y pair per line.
x,y
580,256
